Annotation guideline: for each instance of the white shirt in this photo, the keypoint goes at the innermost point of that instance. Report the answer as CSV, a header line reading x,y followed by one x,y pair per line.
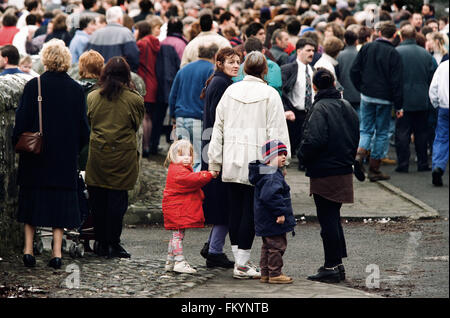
x,y
439,86
297,95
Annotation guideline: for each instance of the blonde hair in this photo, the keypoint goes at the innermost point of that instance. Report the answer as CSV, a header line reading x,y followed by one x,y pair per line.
x,y
26,60
55,56
439,41
178,148
90,64
154,21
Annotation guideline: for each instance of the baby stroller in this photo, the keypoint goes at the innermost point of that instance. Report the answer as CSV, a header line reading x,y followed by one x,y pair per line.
x,y
81,236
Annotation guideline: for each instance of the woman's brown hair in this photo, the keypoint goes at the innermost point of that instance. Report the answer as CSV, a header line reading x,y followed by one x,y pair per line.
x,y
115,75
144,29
221,57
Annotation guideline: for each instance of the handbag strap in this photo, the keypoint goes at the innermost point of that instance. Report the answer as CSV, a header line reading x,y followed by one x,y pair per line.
x,y
40,105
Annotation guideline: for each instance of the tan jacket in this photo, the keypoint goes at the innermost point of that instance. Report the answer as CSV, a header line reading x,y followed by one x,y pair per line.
x,y
113,160
249,113
190,53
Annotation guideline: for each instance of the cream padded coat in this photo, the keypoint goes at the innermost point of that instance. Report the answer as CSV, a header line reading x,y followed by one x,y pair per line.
x,y
249,113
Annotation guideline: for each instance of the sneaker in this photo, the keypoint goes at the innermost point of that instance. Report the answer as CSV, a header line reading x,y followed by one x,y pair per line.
x,y
169,266
245,272
282,279
264,279
437,177
254,266
184,267
218,260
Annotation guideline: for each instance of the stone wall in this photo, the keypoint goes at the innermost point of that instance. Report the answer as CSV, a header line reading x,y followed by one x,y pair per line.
x,y
11,87
11,233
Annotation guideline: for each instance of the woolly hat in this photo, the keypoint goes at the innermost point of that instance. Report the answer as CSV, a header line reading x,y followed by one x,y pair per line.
x,y
271,149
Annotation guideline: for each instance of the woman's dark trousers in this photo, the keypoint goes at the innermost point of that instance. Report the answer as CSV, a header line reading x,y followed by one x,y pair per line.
x,y
328,213
241,222
108,209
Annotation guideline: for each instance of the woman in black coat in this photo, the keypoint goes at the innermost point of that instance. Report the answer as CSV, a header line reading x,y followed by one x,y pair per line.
x,y
214,204
327,150
48,182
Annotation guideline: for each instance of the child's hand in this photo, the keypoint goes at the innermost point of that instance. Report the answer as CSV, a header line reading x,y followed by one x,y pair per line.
x,y
280,219
284,170
214,173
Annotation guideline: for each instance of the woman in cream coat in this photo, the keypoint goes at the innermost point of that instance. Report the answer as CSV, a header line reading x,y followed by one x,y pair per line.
x,y
249,113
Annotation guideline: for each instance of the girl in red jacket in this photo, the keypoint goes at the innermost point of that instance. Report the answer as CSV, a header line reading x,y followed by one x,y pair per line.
x,y
182,201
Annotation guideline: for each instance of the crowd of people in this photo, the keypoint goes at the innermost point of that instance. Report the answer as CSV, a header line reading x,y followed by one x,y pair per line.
x,y
335,83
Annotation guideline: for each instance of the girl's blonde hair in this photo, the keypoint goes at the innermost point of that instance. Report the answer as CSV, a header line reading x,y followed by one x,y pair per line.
x,y
176,149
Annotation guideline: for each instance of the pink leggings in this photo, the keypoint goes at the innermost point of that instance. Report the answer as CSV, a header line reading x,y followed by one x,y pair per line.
x,y
175,250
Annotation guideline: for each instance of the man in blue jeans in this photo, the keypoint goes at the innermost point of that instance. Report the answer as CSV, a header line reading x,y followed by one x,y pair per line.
x,y
439,92
377,73
186,107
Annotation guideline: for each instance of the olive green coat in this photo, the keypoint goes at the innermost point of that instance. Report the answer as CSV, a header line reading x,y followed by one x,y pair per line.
x,y
113,161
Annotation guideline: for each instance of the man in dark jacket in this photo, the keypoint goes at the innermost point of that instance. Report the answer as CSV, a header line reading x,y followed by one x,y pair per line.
x,y
418,70
273,210
328,149
378,74
297,93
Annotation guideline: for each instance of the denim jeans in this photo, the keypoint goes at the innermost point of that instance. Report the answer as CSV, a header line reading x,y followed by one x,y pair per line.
x,y
440,145
375,122
191,129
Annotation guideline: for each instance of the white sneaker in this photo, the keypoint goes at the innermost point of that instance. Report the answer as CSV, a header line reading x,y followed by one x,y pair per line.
x,y
245,272
254,266
169,266
184,267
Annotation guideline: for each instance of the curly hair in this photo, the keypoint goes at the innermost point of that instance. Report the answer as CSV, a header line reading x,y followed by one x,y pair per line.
x,y
55,56
90,64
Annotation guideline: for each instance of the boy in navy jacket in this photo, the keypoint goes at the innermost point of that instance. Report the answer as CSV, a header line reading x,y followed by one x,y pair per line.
x,y
273,210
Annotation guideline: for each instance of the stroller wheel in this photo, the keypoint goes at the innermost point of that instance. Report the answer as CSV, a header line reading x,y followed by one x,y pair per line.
x,y
96,244
73,250
80,250
38,246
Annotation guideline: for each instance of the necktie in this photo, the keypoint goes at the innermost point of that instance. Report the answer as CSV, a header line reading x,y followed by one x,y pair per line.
x,y
308,91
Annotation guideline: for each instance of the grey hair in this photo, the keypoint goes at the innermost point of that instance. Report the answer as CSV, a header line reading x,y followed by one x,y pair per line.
x,y
113,14
207,52
255,64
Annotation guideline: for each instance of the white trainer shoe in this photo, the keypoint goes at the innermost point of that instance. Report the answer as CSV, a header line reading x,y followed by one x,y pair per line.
x,y
245,272
184,267
169,266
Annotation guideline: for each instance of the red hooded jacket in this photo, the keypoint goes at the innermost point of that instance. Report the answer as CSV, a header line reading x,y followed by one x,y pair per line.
x,y
183,197
148,49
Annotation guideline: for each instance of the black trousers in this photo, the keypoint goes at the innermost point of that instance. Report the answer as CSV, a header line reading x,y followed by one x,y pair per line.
x,y
241,220
417,123
295,129
329,215
158,115
108,208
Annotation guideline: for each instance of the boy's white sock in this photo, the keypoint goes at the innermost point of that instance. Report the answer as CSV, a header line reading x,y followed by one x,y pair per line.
x,y
234,249
243,257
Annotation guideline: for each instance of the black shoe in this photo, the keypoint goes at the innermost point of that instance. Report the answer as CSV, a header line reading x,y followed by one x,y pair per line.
x,y
218,260
55,262
145,153
402,170
437,177
100,248
358,170
29,260
326,275
116,250
204,250
425,168
341,272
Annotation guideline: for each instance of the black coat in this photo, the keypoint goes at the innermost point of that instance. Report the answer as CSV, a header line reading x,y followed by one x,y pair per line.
x,y
330,136
272,199
166,68
289,74
378,72
65,131
215,203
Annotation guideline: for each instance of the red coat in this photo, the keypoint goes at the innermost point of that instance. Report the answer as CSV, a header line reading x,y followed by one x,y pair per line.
x,y
183,197
148,49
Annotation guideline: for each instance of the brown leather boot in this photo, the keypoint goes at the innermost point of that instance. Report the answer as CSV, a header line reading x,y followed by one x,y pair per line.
x,y
374,171
360,155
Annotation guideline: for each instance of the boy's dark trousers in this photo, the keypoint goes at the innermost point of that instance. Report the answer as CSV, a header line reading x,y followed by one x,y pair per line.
x,y
272,252
329,215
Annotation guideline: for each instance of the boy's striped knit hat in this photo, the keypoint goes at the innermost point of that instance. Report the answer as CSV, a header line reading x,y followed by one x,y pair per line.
x,y
272,148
